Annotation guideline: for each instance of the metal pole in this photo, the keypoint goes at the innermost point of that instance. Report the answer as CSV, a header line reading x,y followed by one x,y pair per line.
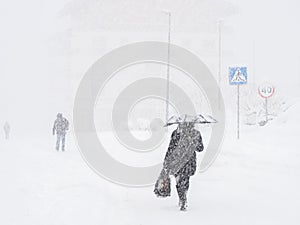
x,y
266,109
253,61
220,63
238,111
168,68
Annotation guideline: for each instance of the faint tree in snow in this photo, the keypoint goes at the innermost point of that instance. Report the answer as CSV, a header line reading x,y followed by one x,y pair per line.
x,y
253,107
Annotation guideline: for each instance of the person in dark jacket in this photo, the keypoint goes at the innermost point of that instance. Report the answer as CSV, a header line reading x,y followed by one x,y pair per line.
x,y
60,127
6,128
180,159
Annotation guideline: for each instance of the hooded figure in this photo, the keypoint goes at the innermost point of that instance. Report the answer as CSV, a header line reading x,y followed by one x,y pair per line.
x,y
6,129
180,160
61,125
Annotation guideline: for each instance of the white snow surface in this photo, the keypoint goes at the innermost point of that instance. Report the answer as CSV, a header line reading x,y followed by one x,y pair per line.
x,y
255,180
47,47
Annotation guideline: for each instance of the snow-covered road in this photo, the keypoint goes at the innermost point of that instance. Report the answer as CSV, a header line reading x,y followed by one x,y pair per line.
x,y
254,181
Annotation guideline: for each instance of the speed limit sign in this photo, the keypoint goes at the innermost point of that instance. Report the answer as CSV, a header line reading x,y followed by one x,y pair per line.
x,y
266,90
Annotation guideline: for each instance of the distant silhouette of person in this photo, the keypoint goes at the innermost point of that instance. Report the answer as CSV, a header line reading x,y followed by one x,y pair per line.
x,y
6,128
60,127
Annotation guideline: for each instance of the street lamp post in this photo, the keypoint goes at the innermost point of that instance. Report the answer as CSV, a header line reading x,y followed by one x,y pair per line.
x,y
168,65
220,60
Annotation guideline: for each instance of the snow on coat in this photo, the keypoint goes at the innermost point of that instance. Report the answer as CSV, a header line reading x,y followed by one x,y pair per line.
x,y
181,155
61,125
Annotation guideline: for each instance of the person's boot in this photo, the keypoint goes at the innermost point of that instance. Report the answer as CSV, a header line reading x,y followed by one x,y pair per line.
x,y
183,203
183,206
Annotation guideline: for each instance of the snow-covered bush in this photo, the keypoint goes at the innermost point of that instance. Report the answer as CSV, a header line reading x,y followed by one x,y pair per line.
x,y
253,106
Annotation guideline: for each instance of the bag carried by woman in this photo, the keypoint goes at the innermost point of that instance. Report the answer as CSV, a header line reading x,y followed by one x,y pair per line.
x,y
163,185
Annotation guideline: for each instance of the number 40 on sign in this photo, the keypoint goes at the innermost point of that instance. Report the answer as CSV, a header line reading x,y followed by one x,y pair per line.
x,y
266,90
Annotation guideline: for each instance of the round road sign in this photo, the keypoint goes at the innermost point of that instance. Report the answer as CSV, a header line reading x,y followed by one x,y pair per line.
x,y
266,90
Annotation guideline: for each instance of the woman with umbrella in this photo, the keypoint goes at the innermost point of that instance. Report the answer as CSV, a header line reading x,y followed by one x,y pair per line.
x,y
180,159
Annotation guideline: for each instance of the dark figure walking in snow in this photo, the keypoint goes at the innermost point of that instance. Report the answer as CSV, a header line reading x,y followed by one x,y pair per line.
x,y
6,129
180,161
61,125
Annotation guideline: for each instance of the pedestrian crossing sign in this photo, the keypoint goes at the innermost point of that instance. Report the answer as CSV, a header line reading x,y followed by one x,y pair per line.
x,y
238,75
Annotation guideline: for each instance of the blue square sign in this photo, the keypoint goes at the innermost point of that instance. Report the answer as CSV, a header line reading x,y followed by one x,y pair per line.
x,y
238,75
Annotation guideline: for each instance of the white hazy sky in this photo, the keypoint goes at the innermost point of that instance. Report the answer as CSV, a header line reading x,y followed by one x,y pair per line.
x,y
265,33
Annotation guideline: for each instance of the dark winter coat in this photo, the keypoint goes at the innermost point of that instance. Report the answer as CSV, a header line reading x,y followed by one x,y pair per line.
x,y
184,147
61,125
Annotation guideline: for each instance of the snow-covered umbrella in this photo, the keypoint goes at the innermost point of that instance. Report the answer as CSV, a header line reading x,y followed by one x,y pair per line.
x,y
185,118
